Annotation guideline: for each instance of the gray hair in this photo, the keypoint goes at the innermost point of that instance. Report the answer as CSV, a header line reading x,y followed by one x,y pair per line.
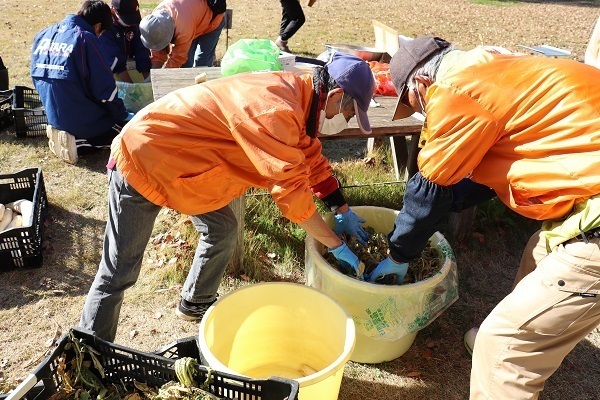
x,y
428,67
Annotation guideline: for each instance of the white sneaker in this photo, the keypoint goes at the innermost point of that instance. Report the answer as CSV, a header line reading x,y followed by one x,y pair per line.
x,y
62,144
469,339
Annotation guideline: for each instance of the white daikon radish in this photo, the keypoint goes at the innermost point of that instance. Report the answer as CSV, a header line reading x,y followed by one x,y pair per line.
x,y
6,219
16,222
23,207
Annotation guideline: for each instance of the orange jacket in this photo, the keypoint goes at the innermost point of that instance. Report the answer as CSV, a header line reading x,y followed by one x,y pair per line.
x,y
192,18
528,127
199,147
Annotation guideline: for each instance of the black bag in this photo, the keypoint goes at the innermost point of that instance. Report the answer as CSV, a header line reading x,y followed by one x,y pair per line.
x,y
217,6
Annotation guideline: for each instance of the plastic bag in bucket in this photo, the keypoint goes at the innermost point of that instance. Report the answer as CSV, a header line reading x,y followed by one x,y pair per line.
x,y
247,55
387,317
135,95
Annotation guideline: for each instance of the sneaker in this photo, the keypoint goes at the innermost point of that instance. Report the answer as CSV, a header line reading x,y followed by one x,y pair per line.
x,y
62,144
282,44
469,340
192,311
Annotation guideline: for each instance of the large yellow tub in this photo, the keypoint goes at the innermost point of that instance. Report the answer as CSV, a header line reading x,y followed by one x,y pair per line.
x,y
280,329
387,318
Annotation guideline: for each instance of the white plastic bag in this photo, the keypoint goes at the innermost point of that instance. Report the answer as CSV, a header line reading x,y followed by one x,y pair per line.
x,y
135,95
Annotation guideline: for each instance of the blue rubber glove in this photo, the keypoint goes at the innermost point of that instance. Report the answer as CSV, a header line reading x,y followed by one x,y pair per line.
x,y
349,223
129,116
387,267
347,259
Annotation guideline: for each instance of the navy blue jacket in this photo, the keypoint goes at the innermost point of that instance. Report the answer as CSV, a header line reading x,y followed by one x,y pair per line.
x,y
122,43
75,84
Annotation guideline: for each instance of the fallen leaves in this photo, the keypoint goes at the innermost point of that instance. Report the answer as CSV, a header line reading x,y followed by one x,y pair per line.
x,y
426,354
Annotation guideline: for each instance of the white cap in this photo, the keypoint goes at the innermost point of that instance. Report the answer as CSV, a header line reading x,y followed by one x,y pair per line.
x,y
157,30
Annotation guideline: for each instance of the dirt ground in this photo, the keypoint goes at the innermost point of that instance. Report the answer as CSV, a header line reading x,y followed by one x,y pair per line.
x,y
38,305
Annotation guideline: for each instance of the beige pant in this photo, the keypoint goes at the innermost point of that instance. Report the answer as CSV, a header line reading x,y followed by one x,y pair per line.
x,y
555,303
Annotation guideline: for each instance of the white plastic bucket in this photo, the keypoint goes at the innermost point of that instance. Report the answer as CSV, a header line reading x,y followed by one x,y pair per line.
x,y
280,329
387,318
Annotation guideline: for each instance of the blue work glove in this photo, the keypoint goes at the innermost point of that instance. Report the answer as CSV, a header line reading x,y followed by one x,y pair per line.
x,y
387,267
347,259
129,116
349,223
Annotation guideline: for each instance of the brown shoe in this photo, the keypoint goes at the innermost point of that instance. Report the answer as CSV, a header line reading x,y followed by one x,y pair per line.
x,y
282,44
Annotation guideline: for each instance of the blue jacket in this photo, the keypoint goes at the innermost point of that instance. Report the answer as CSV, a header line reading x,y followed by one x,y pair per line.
x,y
122,43
76,86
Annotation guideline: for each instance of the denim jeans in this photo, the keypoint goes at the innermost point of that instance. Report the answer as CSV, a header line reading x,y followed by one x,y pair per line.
x,y
130,221
202,49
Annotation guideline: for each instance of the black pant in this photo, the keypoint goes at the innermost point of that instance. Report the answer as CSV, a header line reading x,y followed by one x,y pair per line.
x,y
103,141
292,18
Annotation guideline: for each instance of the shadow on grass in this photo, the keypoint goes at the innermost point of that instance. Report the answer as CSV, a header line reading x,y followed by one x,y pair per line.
x,y
71,251
37,148
360,389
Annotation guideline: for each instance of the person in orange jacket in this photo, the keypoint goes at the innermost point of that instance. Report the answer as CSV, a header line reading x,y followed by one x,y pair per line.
x,y
198,148
182,33
525,129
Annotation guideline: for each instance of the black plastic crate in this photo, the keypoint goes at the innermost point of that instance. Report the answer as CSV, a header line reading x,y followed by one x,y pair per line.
x,y
6,114
29,114
22,247
123,365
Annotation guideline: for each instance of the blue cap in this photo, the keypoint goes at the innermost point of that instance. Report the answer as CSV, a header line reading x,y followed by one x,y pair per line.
x,y
355,77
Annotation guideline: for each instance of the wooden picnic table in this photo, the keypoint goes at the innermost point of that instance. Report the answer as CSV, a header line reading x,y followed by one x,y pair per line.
x,y
166,80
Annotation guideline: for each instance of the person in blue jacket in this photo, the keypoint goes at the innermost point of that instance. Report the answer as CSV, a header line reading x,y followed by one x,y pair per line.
x,y
76,86
124,48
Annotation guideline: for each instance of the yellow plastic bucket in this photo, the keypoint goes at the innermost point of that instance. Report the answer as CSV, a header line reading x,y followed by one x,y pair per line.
x,y
387,318
280,329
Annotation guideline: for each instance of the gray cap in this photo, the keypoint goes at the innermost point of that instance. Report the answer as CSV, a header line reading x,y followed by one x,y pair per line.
x,y
410,54
157,30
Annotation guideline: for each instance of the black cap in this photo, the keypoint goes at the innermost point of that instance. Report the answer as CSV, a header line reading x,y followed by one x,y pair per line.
x,y
410,54
128,11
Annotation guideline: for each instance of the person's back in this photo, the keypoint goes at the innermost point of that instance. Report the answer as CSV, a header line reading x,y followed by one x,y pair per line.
x,y
538,136
75,84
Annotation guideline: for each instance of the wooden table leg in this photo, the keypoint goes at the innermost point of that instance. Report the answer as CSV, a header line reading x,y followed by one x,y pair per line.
x,y
238,206
400,156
